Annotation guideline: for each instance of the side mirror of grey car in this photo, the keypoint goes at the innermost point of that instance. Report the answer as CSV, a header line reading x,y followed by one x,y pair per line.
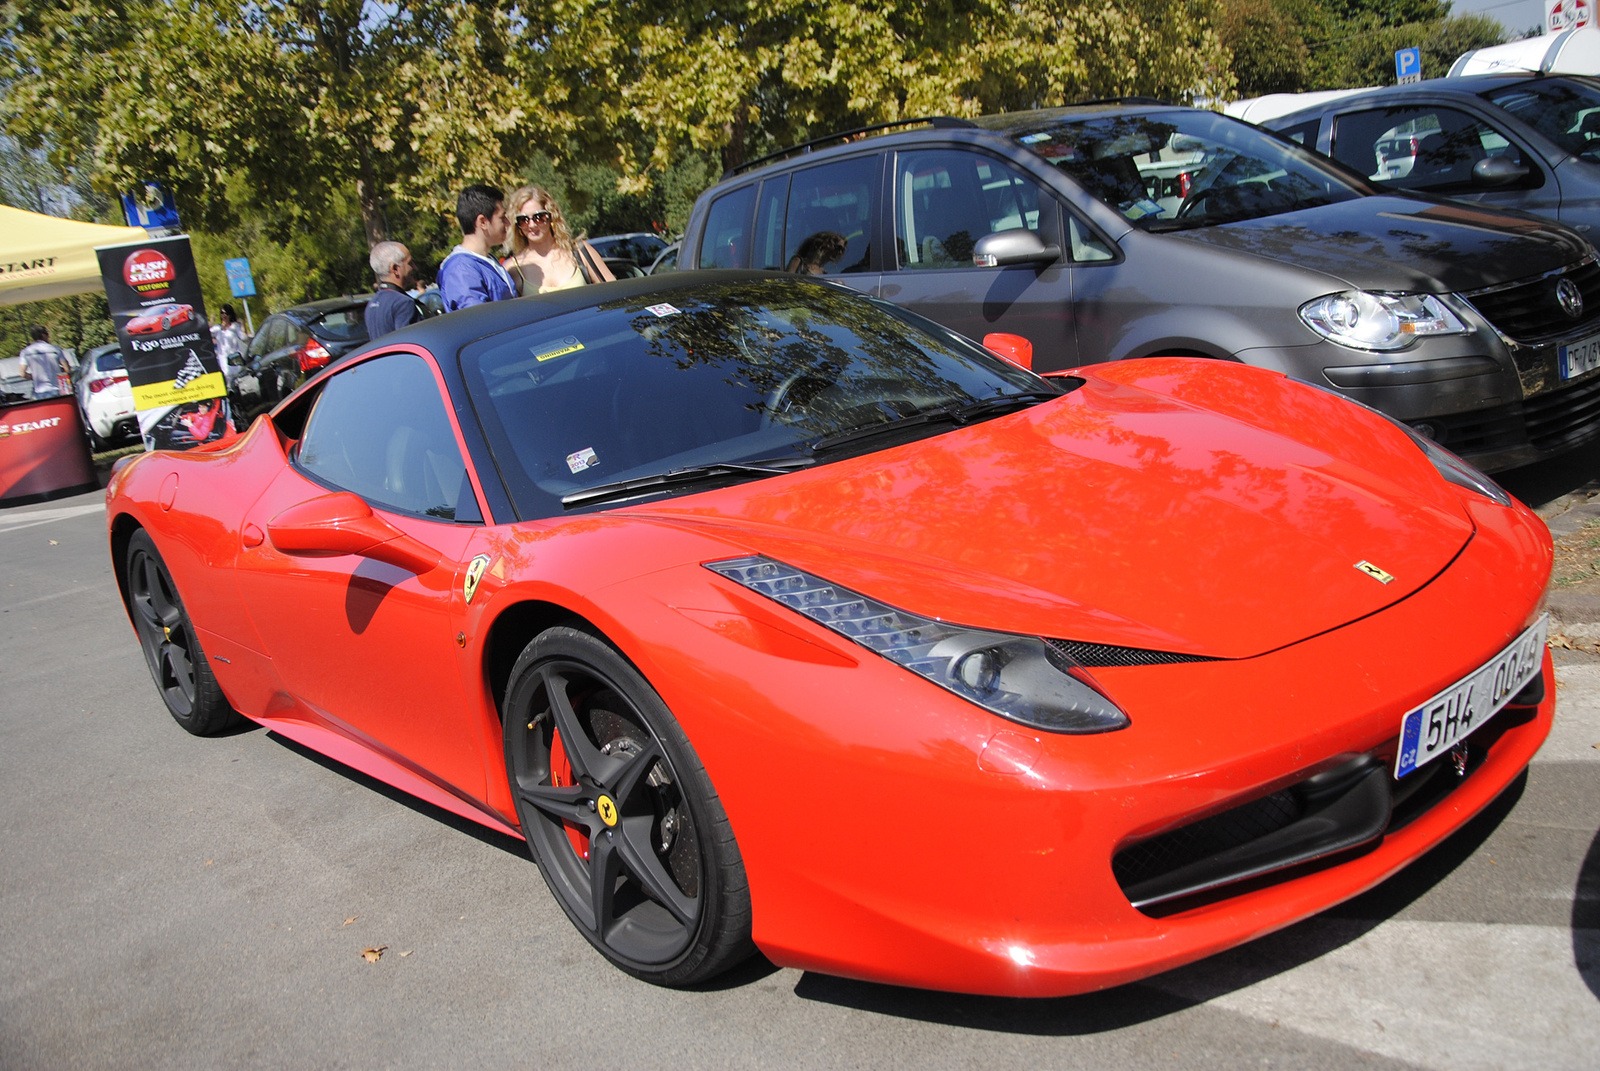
x,y
1004,248
1497,171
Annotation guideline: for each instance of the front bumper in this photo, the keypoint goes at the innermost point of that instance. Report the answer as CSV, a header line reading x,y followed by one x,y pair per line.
x,y
886,838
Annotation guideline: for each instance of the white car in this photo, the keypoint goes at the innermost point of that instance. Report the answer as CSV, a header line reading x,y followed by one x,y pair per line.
x,y
104,397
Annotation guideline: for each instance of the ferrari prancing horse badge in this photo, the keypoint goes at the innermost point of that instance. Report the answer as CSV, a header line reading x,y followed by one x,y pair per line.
x,y
1373,571
475,570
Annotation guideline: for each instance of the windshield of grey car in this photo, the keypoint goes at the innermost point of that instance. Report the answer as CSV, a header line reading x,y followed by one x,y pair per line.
x,y
1185,168
1565,110
754,372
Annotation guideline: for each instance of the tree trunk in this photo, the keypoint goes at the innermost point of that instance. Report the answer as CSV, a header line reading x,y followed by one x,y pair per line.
x,y
372,219
738,131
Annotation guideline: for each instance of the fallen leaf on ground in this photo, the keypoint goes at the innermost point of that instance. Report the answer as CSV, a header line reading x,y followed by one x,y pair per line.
x,y
372,955
351,919
55,543
407,952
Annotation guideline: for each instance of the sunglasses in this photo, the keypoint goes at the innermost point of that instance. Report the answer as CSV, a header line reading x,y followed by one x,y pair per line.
x,y
537,217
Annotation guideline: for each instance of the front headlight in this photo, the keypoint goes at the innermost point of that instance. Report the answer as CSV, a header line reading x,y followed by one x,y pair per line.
x,y
1021,678
1367,321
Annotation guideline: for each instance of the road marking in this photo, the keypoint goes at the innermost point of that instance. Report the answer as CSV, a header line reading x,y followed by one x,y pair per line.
x,y
16,521
1450,995
1577,725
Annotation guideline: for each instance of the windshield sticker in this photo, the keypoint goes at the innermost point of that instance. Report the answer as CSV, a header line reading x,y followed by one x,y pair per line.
x,y
1141,209
663,309
561,348
583,459
1033,139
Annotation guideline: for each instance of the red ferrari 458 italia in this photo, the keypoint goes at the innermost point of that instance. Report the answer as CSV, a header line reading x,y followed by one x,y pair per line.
x,y
776,617
161,318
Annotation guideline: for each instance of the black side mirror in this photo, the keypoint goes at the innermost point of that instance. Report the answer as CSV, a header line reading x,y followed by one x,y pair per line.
x,y
1497,171
1005,248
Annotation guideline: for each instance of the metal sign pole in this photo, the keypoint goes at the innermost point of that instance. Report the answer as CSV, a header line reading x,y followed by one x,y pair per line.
x,y
249,323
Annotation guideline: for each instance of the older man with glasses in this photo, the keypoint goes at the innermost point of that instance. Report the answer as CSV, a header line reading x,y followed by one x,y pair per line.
x,y
391,308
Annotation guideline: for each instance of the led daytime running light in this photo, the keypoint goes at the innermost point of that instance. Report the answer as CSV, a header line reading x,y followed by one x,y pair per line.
x,y
1017,677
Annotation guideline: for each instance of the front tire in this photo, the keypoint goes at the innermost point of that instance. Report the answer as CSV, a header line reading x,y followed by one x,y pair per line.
x,y
171,648
620,815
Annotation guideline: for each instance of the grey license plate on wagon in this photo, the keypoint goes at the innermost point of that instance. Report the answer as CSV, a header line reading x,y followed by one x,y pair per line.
x,y
1433,728
1576,358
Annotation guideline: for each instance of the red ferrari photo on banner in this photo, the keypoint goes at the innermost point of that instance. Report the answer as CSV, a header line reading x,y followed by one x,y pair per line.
x,y
179,388
776,617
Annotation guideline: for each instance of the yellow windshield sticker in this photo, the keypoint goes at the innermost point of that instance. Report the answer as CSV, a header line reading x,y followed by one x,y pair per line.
x,y
570,344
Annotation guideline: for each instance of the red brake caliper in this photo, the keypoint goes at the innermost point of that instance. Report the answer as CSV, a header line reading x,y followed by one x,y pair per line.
x,y
561,776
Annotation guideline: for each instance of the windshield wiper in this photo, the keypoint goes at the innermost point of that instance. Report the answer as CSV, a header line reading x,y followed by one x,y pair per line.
x,y
945,414
692,474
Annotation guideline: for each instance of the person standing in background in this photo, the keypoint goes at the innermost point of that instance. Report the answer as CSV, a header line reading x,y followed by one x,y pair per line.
x,y
227,338
44,363
470,275
391,308
544,254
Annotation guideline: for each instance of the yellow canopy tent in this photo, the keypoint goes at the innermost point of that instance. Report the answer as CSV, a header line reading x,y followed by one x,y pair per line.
x,y
45,257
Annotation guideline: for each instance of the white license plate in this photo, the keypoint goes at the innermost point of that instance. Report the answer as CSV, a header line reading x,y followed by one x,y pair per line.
x,y
1431,729
1579,357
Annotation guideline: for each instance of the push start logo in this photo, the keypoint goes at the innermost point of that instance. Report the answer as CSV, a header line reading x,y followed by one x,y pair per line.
x,y
148,272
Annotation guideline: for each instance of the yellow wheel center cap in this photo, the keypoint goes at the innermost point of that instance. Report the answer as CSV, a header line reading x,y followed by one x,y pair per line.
x,y
607,809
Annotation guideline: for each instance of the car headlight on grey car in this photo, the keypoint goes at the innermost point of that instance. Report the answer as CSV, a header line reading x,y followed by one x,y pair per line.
x,y
1367,321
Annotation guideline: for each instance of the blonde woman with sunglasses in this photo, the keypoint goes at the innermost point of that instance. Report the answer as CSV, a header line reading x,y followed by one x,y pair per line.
x,y
544,254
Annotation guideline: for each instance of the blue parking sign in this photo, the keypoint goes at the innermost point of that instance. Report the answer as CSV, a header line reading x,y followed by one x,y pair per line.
x,y
1408,65
240,282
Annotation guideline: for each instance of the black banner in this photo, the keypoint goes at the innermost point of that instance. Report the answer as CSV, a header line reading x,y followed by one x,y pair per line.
x,y
178,384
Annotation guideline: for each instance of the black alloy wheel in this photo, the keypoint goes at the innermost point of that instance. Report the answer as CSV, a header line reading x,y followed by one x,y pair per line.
x,y
181,672
620,815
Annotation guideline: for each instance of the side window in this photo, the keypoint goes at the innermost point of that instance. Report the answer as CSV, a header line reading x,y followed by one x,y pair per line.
x,y
263,342
769,224
828,227
381,430
1424,148
1086,245
946,199
726,242
1303,133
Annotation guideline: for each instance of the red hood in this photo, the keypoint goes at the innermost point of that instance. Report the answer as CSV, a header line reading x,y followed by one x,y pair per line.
x,y
1122,515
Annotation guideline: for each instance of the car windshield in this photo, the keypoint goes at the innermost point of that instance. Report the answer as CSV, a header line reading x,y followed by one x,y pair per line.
x,y
735,372
1182,168
1565,110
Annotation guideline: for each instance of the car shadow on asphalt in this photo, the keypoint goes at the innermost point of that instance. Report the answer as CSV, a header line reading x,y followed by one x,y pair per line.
x,y
504,841
1547,480
1197,983
1586,918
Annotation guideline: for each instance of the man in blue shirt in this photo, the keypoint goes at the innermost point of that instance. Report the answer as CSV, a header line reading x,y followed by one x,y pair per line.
x,y
471,275
391,308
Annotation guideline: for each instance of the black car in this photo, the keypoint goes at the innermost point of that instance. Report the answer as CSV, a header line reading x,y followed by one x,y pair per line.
x,y
1119,230
290,346
640,247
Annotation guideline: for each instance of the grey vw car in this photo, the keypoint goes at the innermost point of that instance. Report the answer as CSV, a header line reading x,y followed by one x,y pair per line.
x,y
1129,229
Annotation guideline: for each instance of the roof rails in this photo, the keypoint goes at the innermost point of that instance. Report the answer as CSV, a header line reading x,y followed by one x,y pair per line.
x,y
938,122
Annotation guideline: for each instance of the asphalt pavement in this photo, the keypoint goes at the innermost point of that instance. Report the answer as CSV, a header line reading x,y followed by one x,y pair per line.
x,y
173,902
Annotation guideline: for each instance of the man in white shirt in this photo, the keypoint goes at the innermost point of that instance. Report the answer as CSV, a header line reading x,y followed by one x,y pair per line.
x,y
44,363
